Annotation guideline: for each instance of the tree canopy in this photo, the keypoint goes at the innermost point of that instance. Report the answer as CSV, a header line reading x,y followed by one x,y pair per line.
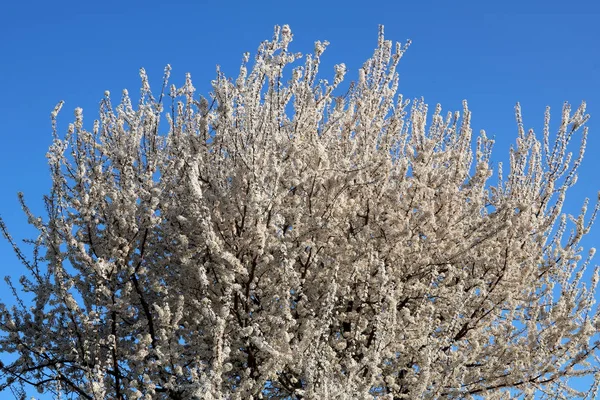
x,y
286,241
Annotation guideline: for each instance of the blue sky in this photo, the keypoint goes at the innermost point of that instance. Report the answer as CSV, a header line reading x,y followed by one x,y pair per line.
x,y
491,53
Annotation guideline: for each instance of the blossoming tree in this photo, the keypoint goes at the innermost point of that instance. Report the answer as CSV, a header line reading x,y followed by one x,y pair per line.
x,y
283,242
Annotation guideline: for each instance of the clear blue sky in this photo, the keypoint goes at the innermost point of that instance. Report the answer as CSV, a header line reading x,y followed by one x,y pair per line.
x,y
491,53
